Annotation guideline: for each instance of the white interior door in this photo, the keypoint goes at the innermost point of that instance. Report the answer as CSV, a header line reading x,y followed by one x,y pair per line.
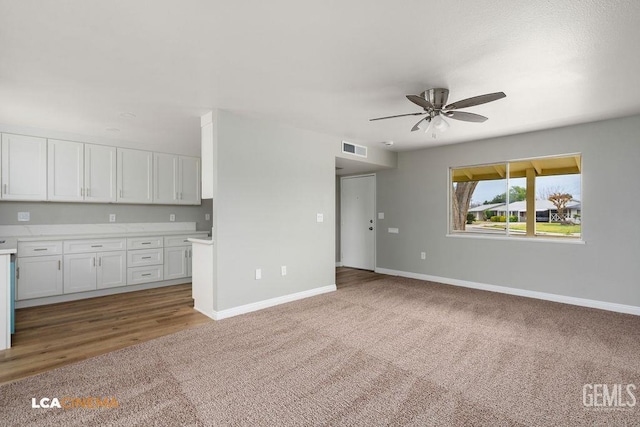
x,y
357,210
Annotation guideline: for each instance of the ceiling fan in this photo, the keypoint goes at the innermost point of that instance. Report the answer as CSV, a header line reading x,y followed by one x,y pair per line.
x,y
434,103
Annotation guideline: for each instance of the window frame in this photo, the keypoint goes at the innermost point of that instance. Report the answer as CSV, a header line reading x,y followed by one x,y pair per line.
x,y
507,235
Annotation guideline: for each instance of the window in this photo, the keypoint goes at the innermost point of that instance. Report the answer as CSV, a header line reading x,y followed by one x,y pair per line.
x,y
526,198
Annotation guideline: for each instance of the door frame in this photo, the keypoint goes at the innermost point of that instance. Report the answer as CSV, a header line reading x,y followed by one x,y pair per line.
x,y
375,216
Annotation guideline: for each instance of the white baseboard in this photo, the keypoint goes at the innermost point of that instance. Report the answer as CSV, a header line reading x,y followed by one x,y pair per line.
x,y
582,302
255,306
338,264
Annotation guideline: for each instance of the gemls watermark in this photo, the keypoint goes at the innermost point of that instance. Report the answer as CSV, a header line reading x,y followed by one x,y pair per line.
x,y
74,402
609,396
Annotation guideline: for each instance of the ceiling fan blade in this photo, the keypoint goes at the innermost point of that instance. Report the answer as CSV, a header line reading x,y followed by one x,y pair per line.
x,y
465,117
417,125
418,100
398,115
476,100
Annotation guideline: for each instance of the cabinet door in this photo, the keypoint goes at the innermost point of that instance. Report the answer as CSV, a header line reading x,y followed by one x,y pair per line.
x,y
65,171
165,183
99,173
135,175
39,277
112,269
24,167
175,262
80,272
189,173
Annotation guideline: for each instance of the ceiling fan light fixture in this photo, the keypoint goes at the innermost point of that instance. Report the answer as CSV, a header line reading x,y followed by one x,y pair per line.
x,y
440,124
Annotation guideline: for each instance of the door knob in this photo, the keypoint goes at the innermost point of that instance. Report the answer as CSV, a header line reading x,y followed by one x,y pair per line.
x,y
370,228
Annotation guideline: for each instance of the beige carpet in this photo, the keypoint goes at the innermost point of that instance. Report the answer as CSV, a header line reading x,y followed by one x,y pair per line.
x,y
388,352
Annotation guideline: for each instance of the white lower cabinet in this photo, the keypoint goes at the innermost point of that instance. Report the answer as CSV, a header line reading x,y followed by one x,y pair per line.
x,y
79,273
177,262
38,276
90,271
137,275
56,267
112,269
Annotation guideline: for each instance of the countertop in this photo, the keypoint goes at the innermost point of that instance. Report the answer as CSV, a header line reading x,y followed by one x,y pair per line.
x,y
108,235
8,246
201,241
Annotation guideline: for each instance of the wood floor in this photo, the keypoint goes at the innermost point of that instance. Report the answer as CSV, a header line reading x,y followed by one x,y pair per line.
x,y
55,335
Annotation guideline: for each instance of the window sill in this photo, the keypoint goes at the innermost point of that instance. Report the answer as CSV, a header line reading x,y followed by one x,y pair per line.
x,y
543,239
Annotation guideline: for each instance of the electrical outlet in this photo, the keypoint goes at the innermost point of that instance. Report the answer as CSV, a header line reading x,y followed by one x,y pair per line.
x,y
172,217
319,217
258,273
423,255
112,217
24,216
283,270
207,217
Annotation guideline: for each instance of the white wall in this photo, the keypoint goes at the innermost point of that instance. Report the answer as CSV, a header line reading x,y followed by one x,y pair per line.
x,y
272,181
606,268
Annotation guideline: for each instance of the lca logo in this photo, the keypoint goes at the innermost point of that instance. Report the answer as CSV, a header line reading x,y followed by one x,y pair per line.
x,y
74,402
609,395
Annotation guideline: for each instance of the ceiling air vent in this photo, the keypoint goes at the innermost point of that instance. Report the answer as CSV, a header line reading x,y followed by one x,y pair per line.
x,y
356,150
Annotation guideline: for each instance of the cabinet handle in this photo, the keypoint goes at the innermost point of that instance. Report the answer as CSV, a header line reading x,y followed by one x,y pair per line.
x,y
100,262
81,191
176,195
59,265
94,261
121,192
17,273
40,249
146,274
145,243
96,246
87,192
190,253
5,189
146,257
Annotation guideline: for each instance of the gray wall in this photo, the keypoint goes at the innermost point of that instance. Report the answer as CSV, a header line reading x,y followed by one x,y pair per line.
x,y
98,213
338,219
272,181
606,268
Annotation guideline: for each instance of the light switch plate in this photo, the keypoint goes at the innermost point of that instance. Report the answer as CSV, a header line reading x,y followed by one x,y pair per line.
x,y
394,230
380,215
283,270
24,216
320,217
172,217
207,217
258,273
112,217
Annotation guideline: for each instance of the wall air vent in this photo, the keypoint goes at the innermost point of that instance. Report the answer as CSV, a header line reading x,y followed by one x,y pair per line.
x,y
355,149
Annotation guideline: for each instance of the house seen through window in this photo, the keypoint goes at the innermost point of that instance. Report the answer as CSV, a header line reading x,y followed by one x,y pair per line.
x,y
527,198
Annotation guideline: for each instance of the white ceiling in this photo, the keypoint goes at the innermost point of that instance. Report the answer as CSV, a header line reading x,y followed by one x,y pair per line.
x,y
327,66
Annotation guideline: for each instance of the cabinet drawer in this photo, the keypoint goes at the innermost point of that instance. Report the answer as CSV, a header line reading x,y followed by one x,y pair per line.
x,y
144,257
144,242
136,275
52,247
181,240
93,245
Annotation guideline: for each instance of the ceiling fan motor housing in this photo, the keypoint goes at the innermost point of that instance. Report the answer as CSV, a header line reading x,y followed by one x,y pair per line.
x,y
437,97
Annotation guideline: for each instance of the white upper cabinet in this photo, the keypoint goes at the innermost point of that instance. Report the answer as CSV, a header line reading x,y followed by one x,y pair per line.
x,y
166,185
99,173
177,179
24,167
65,172
135,176
189,174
